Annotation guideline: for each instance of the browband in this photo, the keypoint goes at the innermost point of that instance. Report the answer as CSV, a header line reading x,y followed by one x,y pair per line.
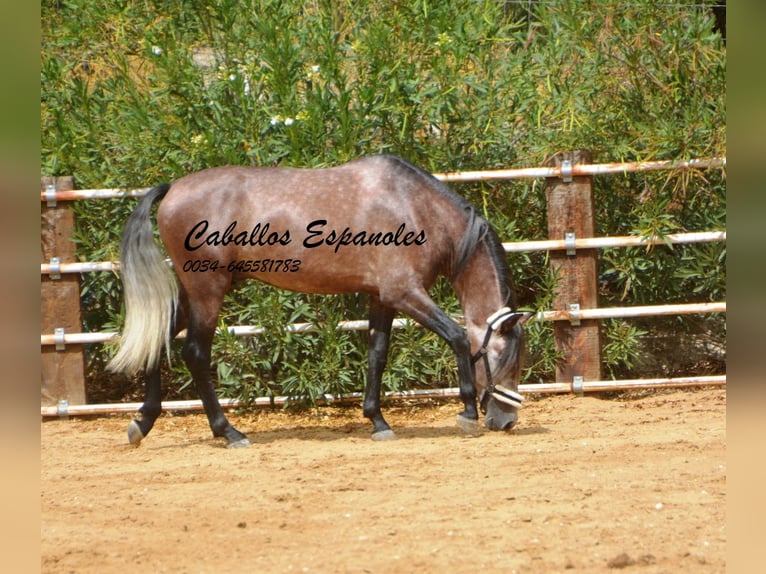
x,y
499,317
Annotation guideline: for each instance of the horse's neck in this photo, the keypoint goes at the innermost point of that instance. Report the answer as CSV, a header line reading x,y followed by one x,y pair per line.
x,y
478,288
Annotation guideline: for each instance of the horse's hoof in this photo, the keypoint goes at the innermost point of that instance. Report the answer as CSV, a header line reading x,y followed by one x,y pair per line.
x,y
387,434
135,436
241,443
469,426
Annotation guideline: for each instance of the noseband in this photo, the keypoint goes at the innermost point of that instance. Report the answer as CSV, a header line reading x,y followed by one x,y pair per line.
x,y
499,392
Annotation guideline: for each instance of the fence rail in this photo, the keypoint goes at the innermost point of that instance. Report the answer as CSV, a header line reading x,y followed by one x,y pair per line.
x,y
57,268
62,338
573,320
50,194
64,409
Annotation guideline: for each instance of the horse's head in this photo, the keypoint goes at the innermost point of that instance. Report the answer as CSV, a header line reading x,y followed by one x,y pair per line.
x,y
497,368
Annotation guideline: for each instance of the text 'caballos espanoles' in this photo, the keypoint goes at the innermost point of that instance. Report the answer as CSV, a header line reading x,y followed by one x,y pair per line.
x,y
316,234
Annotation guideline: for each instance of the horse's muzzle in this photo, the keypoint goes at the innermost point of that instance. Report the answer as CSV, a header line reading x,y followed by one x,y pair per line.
x,y
500,406
500,416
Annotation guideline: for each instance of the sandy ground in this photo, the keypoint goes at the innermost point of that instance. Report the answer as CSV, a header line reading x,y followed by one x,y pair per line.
x,y
582,484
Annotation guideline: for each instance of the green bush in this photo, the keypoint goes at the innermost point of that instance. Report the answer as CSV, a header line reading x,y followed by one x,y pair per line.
x,y
137,93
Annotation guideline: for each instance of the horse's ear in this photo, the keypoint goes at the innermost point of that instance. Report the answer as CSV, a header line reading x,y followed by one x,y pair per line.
x,y
513,320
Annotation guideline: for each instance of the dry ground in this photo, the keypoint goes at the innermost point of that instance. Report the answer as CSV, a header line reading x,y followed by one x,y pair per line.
x,y
582,484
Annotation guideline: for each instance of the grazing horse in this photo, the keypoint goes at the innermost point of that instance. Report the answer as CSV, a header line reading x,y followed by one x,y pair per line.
x,y
377,225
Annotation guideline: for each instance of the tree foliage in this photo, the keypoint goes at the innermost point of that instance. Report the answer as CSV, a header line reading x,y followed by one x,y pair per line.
x,y
134,93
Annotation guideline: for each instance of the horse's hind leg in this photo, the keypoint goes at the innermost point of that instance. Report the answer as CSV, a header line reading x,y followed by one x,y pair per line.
x,y
143,422
196,353
381,319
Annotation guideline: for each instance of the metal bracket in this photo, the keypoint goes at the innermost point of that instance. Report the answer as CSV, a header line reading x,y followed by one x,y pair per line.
x,y
566,171
569,242
58,338
577,385
574,314
50,195
55,270
63,408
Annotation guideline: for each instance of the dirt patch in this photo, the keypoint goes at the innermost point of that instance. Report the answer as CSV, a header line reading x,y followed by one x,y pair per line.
x,y
581,484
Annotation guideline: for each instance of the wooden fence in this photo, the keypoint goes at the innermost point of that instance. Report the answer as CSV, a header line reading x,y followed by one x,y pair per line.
x,y
573,255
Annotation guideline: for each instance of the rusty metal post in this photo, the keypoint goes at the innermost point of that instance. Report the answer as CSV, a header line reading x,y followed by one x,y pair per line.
x,y
62,366
570,217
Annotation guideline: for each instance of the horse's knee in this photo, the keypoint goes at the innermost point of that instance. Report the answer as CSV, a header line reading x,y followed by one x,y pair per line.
x,y
459,343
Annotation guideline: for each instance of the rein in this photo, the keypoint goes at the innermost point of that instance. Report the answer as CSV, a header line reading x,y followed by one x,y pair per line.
x,y
499,392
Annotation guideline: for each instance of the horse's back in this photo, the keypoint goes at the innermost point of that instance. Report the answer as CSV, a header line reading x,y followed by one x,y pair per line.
x,y
349,227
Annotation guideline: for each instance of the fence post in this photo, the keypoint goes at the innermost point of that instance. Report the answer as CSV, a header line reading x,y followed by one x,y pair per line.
x,y
62,366
571,216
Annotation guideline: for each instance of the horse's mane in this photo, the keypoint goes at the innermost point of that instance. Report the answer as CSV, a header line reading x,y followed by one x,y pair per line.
x,y
477,230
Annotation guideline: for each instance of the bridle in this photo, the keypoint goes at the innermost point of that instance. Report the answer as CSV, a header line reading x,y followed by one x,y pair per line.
x,y
499,392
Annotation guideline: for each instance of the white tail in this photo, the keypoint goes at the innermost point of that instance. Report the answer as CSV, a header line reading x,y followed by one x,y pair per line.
x,y
150,289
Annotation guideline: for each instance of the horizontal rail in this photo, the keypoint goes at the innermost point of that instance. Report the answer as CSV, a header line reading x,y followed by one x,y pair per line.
x,y
111,193
638,311
65,409
520,173
79,267
237,330
614,241
362,325
510,247
581,170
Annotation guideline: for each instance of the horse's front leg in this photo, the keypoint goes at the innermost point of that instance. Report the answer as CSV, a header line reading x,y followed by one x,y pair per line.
x,y
381,319
420,307
468,420
456,337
